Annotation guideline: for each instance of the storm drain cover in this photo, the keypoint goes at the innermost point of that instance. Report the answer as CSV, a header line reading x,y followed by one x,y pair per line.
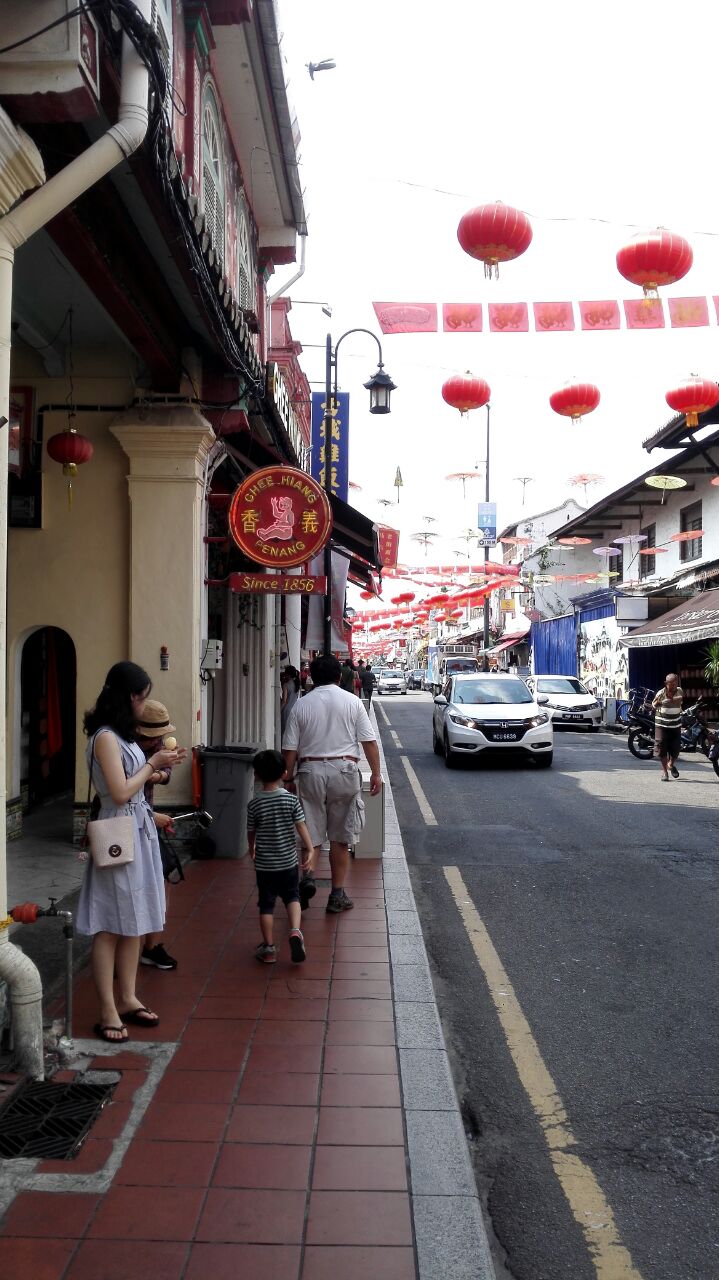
x,y
50,1121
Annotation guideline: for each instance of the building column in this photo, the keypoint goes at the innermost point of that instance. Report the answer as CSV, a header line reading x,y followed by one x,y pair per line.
x,y
168,449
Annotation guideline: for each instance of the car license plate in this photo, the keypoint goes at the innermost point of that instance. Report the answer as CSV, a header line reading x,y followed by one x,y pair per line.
x,y
505,737
573,715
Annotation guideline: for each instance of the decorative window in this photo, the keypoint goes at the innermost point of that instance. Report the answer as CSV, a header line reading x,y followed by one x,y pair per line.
x,y
690,519
213,178
648,564
245,264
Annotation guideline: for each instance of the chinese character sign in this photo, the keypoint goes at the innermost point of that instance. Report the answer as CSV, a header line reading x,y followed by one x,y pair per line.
x,y
280,517
334,451
487,524
388,545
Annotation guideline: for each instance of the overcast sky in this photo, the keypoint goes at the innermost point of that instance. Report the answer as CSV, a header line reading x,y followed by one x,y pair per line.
x,y
599,122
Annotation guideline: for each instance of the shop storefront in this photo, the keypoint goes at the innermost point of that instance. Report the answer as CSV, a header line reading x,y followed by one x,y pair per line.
x,y
677,642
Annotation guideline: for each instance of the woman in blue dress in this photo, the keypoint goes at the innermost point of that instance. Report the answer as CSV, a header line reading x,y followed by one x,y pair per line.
x,y
119,905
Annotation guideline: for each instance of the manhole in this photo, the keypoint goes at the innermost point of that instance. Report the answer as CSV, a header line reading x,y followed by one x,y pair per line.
x,y
49,1121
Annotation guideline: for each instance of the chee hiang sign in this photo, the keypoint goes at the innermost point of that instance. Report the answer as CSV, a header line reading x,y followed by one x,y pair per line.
x,y
280,517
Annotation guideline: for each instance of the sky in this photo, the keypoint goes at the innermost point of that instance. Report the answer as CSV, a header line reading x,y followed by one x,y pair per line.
x,y
597,121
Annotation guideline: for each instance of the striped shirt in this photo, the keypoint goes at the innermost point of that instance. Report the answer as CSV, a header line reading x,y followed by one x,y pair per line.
x,y
668,710
272,815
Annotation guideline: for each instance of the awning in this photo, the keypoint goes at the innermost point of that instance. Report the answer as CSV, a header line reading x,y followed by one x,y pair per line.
x,y
508,642
695,619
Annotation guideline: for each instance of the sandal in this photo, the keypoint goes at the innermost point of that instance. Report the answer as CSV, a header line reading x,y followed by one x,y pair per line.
x,y
134,1016
101,1032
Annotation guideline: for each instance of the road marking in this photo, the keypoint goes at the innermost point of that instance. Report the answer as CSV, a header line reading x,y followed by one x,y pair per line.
x,y
382,712
395,738
611,1260
420,797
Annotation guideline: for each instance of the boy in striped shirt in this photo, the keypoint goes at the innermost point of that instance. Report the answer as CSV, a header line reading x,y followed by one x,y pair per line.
x,y
274,819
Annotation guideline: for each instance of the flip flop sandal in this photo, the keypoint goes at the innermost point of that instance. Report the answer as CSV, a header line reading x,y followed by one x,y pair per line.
x,y
134,1016
101,1033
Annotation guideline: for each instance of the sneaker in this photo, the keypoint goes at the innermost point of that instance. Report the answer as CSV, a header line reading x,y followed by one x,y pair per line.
x,y
297,947
308,889
266,952
157,957
674,771
338,901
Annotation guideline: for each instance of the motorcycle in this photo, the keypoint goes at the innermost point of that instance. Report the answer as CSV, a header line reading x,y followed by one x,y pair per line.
x,y
695,736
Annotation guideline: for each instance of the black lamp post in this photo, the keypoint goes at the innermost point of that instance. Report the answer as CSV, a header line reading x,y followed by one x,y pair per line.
x,y
380,387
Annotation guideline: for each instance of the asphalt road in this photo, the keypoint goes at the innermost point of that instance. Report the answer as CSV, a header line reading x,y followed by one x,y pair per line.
x,y
597,885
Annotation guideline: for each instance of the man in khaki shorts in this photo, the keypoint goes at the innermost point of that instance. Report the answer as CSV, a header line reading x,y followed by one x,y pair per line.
x,y
321,745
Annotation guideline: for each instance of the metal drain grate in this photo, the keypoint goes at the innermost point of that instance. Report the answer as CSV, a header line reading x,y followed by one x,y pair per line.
x,y
50,1121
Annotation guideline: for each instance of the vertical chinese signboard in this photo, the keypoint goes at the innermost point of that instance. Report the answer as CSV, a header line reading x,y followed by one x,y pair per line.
x,y
388,545
338,444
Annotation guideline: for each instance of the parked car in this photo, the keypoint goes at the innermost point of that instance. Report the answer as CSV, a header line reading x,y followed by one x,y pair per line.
x,y
495,713
415,679
389,681
569,703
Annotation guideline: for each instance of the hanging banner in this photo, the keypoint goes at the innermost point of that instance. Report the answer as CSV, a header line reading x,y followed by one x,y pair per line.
x,y
644,313
688,313
388,545
508,317
462,317
599,315
314,638
339,444
553,317
280,517
406,317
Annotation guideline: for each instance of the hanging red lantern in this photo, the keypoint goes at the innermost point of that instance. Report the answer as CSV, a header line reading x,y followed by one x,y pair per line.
x,y
464,392
655,259
70,449
574,400
367,595
695,396
494,233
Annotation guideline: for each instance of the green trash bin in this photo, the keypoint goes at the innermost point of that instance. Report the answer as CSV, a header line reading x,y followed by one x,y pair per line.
x,y
227,785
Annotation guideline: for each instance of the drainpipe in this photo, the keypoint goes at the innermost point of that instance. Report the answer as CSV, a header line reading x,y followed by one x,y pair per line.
x,y
16,228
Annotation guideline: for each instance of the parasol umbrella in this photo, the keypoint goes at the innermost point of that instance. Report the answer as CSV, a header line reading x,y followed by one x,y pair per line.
x,y
665,483
464,476
652,551
516,542
687,536
585,480
576,542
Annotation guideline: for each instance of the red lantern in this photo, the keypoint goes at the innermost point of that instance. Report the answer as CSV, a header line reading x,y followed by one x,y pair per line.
x,y
465,392
574,400
695,396
71,450
655,259
494,233
367,595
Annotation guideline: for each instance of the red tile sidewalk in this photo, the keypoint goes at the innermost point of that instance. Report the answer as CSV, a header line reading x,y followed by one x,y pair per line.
x,y
274,1145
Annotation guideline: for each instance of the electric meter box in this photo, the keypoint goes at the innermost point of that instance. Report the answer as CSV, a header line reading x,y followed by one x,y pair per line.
x,y
211,655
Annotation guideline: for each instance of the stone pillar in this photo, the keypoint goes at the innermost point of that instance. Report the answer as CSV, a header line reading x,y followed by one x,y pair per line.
x,y
168,448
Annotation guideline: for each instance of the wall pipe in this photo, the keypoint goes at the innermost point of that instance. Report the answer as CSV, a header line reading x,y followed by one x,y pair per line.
x,y
16,227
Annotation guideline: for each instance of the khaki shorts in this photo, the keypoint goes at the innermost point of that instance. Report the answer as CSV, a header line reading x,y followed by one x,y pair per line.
x,y
330,794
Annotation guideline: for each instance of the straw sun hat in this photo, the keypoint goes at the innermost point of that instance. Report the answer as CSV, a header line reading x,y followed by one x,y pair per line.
x,y
155,721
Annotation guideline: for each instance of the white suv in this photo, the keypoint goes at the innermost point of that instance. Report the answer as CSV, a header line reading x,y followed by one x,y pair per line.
x,y
496,713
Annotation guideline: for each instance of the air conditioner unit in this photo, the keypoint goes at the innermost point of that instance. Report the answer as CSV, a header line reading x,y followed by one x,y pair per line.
x,y
56,75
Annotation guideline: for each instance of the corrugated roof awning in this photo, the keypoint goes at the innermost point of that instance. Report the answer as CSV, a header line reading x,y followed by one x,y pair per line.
x,y
695,619
508,641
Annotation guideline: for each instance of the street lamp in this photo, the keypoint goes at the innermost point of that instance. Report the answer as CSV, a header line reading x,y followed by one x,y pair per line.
x,y
380,387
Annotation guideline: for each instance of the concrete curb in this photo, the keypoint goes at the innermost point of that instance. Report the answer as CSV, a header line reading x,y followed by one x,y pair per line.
x,y
449,1227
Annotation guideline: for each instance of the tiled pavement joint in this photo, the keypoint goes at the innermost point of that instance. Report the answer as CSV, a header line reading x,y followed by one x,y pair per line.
x,y
450,1234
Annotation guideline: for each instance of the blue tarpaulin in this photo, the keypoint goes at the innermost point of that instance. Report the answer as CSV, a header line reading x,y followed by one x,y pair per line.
x,y
554,647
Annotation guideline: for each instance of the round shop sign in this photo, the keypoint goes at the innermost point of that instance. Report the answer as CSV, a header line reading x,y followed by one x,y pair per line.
x,y
280,517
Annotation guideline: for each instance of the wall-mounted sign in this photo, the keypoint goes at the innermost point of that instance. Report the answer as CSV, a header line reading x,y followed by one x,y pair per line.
x,y
337,449
279,395
487,524
280,517
388,545
277,583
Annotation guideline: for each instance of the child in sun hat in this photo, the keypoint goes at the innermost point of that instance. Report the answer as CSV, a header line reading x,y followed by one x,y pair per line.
x,y
150,732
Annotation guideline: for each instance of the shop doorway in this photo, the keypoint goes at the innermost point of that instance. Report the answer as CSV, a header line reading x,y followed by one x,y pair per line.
x,y
48,677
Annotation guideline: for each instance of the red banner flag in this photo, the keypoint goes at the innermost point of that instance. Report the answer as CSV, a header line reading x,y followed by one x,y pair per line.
x,y
508,317
406,317
688,313
462,317
600,315
388,545
553,317
644,313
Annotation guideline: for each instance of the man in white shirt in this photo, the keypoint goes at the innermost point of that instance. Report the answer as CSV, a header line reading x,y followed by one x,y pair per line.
x,y
322,741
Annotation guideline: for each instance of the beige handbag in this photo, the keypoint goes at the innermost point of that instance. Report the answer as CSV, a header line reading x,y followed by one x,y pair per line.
x,y
111,840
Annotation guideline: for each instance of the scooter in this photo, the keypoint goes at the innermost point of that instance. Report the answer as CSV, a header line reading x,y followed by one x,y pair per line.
x,y
695,736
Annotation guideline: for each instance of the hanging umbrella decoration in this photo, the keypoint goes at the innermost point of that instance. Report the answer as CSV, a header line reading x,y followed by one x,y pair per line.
x,y
516,542
465,392
688,535
695,396
608,553
575,400
71,450
629,541
465,477
665,483
494,233
424,538
574,541
585,480
655,259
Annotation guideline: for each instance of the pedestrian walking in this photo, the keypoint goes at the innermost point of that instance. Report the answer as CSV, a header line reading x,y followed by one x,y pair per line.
x,y
667,705
151,731
347,676
322,744
274,819
368,684
120,904
290,685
